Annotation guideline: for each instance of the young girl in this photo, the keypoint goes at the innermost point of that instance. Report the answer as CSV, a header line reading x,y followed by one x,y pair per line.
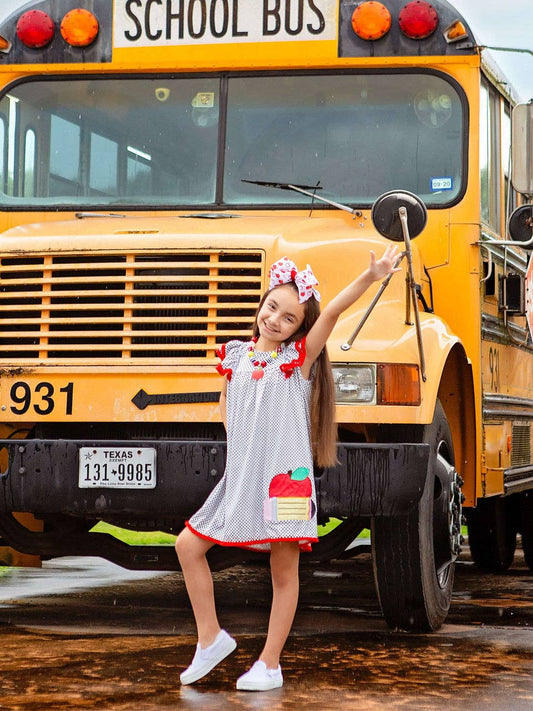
x,y
277,404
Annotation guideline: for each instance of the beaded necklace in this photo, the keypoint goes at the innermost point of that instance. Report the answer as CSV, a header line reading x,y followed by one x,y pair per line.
x,y
260,365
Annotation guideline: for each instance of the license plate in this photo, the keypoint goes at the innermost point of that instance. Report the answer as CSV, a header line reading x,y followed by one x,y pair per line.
x,y
117,468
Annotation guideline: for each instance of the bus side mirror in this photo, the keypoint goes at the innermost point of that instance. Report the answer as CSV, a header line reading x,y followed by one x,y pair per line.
x,y
522,148
521,226
386,214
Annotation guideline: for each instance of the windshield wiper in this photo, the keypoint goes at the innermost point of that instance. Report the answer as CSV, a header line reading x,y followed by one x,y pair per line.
x,y
305,190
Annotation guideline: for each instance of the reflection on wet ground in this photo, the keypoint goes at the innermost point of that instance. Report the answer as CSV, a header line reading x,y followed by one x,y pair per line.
x,y
121,647
352,670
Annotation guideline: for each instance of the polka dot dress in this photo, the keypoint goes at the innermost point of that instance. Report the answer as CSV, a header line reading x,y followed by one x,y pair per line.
x,y
267,492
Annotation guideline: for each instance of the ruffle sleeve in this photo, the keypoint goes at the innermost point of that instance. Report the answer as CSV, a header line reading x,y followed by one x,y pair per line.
x,y
229,354
299,356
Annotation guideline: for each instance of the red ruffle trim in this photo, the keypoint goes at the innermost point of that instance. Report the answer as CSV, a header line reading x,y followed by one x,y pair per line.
x,y
221,353
305,546
288,368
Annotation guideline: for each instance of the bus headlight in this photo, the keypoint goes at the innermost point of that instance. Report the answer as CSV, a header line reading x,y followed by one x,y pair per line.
x,y
377,384
355,383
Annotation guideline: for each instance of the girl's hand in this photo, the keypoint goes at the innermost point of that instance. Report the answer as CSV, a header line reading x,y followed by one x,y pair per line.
x,y
380,268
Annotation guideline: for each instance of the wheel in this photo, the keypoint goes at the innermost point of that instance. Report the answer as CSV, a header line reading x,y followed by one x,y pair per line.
x,y
414,555
526,515
492,534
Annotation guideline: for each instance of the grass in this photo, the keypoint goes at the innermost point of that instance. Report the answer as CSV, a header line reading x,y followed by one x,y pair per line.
x,y
157,538
136,538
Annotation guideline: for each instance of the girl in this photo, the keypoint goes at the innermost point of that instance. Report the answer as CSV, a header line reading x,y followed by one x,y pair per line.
x,y
277,404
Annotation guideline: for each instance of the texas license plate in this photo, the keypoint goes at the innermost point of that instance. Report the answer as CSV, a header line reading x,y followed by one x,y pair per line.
x,y
117,468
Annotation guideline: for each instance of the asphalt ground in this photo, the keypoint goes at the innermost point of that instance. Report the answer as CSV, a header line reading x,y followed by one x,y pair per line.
x,y
84,634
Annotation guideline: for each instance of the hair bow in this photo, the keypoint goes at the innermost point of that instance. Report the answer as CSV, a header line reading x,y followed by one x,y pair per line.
x,y
285,271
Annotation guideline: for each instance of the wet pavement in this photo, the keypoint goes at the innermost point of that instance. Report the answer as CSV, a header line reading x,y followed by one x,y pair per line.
x,y
121,643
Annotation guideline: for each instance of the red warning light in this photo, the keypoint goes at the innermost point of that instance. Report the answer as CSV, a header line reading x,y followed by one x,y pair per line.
x,y
35,29
418,19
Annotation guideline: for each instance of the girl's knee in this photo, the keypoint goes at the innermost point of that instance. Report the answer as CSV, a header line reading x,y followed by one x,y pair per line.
x,y
183,544
189,546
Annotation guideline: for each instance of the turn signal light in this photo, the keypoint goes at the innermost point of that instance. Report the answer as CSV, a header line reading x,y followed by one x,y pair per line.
x,y
455,32
371,20
35,29
5,45
79,27
418,19
398,384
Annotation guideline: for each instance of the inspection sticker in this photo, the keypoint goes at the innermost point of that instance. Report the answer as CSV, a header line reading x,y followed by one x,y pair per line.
x,y
437,184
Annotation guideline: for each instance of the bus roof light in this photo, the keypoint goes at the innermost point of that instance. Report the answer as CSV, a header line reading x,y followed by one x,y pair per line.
x,y
418,20
79,27
455,32
35,29
371,20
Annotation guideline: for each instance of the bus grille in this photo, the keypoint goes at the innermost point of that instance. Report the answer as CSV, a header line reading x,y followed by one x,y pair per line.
x,y
126,307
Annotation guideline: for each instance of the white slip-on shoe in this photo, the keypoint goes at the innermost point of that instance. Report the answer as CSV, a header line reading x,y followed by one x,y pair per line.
x,y
206,659
259,678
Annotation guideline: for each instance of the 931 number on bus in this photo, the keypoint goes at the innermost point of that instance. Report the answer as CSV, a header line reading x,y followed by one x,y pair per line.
x,y
43,399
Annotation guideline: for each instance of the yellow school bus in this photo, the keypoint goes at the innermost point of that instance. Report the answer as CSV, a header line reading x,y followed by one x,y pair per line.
x,y
157,156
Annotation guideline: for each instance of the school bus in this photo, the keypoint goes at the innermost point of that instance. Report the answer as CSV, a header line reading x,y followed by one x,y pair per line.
x,y
157,156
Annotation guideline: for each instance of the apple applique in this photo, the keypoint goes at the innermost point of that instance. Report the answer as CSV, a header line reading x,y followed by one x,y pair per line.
x,y
293,483
290,497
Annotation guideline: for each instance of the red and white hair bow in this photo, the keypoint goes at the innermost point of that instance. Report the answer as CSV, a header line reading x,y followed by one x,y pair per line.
x,y
285,271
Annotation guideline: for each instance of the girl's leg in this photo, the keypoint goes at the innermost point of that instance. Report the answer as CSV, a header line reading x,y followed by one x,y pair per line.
x,y
191,550
284,561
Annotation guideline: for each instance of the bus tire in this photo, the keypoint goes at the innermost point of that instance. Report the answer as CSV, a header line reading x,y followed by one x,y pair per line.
x,y
526,515
414,555
491,535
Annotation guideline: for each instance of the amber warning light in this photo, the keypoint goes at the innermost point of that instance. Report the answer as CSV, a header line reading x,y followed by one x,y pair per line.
x,y
79,28
371,20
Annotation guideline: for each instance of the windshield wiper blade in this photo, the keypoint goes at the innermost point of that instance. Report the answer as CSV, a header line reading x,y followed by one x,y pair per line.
x,y
304,189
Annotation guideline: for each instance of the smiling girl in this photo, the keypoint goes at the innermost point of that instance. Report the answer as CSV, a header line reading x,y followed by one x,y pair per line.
x,y
277,404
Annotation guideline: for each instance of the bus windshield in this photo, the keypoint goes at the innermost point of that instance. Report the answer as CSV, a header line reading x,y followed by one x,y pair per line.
x,y
192,141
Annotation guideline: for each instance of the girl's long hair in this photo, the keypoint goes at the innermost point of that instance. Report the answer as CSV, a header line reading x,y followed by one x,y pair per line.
x,y
323,425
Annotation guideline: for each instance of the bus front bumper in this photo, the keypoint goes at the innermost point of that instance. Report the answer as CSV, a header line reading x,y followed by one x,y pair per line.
x,y
43,477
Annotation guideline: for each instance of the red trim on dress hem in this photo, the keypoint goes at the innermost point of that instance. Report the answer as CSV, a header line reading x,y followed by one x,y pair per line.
x,y
305,546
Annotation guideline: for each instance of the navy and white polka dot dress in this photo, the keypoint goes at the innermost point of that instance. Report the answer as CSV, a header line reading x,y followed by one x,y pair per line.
x,y
267,492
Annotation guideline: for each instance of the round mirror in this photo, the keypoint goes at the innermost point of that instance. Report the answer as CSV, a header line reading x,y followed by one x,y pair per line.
x,y
521,224
386,216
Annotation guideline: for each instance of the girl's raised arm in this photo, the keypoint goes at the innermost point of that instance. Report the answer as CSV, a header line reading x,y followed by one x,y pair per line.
x,y
323,326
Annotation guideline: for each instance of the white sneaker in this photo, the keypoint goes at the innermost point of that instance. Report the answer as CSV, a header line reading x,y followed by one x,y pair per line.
x,y
206,659
259,678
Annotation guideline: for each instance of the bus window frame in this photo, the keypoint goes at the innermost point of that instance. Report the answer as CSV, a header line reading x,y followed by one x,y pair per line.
x,y
224,77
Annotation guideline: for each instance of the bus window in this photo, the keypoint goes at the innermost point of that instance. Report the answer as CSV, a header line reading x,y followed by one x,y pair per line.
x,y
103,176
65,141
509,192
490,157
136,142
120,140
138,172
358,135
30,162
